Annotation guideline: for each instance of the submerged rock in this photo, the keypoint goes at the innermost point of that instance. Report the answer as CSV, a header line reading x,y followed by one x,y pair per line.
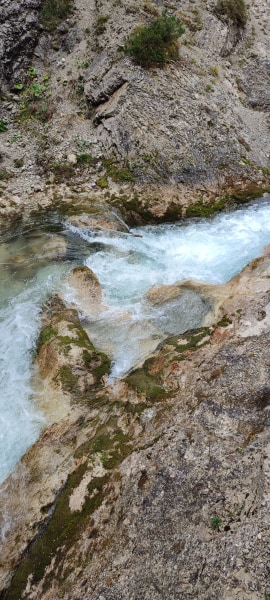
x,y
107,221
53,248
182,306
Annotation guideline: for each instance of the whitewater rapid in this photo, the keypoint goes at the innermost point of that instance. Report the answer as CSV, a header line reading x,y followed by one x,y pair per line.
x,y
127,265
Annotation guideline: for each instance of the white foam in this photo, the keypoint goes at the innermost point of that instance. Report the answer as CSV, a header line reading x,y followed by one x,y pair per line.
x,y
127,267
20,420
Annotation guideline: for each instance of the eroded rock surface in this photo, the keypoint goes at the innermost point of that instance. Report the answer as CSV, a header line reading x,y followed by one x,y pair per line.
x,y
158,486
87,291
185,135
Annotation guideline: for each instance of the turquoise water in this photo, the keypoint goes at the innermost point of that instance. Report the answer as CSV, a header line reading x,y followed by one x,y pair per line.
x,y
127,266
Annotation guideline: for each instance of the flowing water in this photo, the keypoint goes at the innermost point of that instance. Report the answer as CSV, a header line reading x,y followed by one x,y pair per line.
x,y
127,266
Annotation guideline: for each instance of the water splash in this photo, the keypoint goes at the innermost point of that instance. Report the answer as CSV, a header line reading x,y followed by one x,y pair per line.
x,y
127,267
20,419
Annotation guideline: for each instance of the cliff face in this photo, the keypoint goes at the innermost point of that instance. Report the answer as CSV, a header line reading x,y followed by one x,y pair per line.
x,y
199,126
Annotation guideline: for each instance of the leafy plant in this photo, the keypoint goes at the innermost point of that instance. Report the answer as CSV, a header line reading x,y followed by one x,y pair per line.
x,y
18,86
232,10
157,43
3,126
35,96
215,522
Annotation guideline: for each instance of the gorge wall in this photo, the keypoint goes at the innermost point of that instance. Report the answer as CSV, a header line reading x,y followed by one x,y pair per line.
x,y
193,131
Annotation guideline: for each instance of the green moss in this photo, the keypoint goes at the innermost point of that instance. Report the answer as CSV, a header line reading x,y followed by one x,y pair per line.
x,y
134,210
68,379
86,358
46,335
135,409
113,447
173,213
117,172
145,384
104,366
192,341
242,197
199,209
63,528
225,321
102,182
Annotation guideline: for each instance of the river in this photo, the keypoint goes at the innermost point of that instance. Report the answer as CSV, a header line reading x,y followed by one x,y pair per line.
x,y
127,265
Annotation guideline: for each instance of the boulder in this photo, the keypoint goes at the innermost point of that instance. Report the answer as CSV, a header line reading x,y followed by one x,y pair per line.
x,y
107,221
66,358
87,290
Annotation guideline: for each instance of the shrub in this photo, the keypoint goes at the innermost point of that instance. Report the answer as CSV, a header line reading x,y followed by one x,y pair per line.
x,y
157,43
233,10
35,97
101,24
215,522
3,126
4,174
53,12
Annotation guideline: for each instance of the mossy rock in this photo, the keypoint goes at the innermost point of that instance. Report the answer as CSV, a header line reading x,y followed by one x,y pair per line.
x,y
145,384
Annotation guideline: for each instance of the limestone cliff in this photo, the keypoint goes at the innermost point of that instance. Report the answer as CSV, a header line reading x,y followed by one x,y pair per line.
x,y
84,113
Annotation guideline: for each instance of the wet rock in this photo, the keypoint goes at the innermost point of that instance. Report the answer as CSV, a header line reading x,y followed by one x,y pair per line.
x,y
88,292
66,357
107,221
54,248
178,307
175,458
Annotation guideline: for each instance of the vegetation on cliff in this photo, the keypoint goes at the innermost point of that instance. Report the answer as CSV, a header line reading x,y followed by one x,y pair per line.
x,y
157,43
234,10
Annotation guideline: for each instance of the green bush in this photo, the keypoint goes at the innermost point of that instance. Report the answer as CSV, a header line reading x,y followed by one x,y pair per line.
x,y
35,97
157,43
233,10
3,126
